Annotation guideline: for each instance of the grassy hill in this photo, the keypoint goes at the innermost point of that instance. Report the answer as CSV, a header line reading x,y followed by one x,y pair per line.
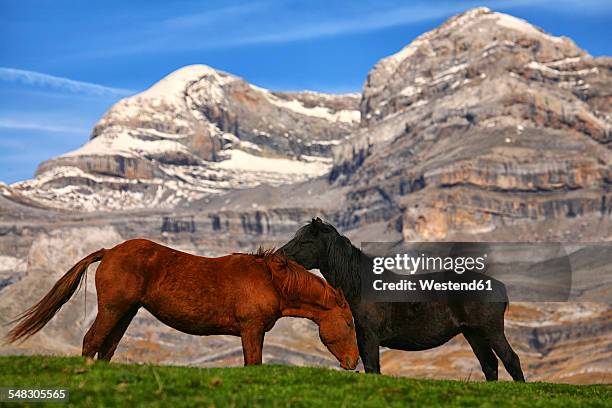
x,y
100,384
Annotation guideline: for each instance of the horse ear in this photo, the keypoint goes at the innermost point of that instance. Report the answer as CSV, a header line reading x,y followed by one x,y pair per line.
x,y
316,225
340,299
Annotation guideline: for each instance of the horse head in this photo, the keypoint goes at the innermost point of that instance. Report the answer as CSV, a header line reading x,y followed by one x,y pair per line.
x,y
337,331
310,245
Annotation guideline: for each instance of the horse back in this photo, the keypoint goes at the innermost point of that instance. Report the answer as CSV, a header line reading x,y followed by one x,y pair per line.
x,y
156,263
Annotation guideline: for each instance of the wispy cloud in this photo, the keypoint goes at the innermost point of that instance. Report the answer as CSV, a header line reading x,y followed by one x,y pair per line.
x,y
59,83
254,24
342,26
380,18
25,124
214,16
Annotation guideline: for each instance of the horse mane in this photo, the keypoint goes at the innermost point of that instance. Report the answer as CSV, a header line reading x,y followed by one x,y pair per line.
x,y
291,279
344,261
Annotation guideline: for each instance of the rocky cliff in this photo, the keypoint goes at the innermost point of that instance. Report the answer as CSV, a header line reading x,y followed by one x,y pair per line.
x,y
486,121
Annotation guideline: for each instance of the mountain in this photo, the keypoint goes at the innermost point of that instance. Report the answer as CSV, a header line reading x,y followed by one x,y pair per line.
x,y
482,123
483,129
197,132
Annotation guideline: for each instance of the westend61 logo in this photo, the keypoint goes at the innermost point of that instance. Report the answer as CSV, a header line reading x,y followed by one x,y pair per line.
x,y
486,272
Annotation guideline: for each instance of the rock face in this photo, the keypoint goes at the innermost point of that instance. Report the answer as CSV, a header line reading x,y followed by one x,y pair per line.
x,y
483,122
197,132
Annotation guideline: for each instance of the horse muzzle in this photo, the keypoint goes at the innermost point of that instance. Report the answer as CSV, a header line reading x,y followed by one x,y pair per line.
x,y
348,363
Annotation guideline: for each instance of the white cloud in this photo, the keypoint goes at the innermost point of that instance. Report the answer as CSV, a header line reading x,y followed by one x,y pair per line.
x,y
255,23
213,16
379,18
41,126
357,24
64,84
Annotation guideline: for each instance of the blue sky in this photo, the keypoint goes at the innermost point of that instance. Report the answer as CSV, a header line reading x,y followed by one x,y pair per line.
x,y
63,63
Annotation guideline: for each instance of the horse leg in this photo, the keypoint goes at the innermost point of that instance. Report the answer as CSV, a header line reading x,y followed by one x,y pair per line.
x,y
510,359
252,345
486,357
112,340
99,330
119,292
369,351
111,310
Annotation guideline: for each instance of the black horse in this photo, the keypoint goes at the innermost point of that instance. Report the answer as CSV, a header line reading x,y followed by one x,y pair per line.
x,y
402,326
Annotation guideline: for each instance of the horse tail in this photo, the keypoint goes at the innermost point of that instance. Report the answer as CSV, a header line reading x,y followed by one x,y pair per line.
x,y
35,318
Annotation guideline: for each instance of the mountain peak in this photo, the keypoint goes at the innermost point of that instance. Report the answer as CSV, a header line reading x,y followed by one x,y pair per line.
x,y
482,23
474,38
482,16
177,81
479,122
196,132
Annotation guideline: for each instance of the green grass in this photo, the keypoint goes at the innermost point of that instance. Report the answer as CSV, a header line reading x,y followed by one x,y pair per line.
x,y
106,385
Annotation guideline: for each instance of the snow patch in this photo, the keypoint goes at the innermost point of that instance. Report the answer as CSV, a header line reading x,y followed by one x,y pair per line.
x,y
410,91
175,83
12,264
249,145
241,160
521,25
125,144
547,68
325,142
564,61
346,116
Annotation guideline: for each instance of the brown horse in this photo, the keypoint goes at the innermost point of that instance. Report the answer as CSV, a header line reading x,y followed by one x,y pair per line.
x,y
240,294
